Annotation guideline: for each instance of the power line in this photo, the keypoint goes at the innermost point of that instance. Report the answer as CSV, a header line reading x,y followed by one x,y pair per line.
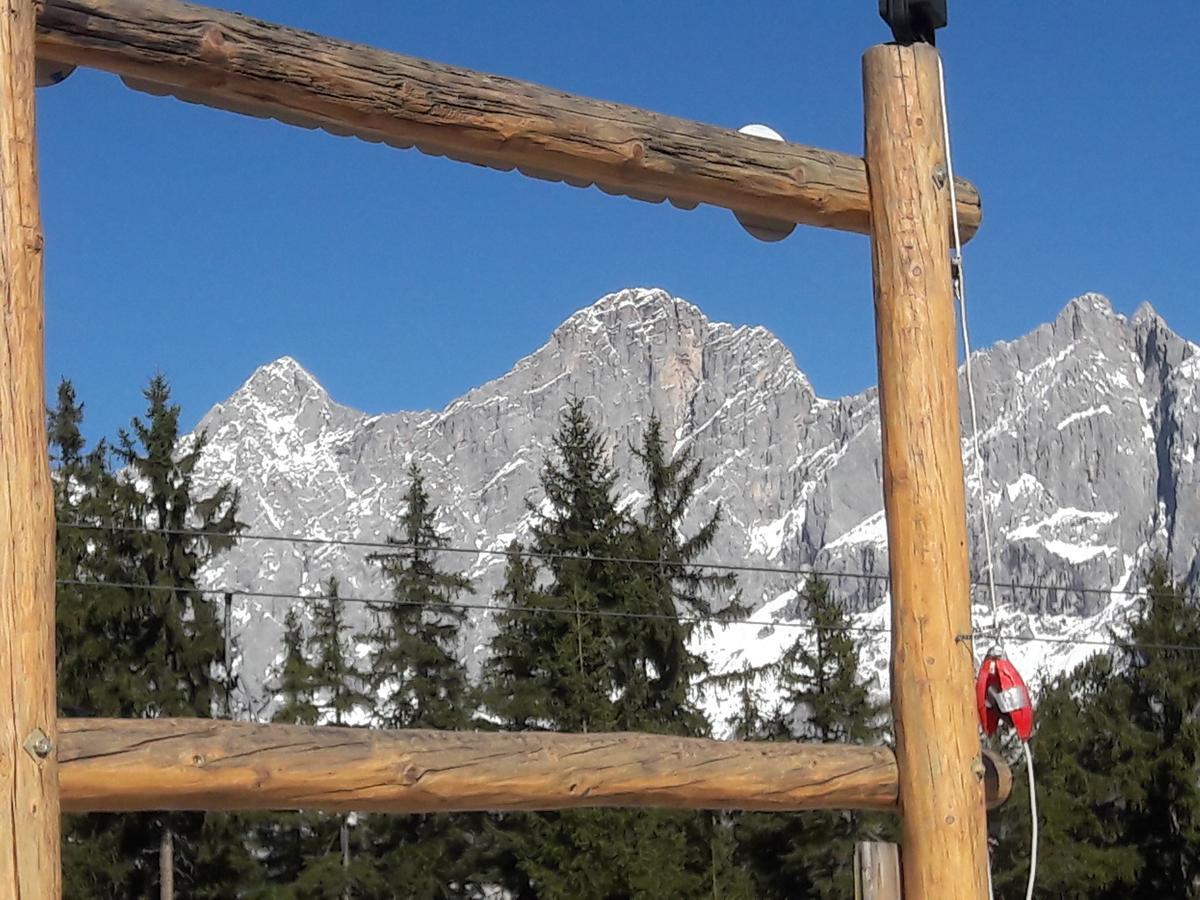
x,y
687,619
537,554
692,619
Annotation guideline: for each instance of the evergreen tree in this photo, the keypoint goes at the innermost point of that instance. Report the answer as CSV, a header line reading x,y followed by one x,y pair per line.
x,y
335,685
294,682
90,619
514,682
285,841
576,651
1117,754
1089,761
149,650
659,669
413,668
418,681
572,646
824,698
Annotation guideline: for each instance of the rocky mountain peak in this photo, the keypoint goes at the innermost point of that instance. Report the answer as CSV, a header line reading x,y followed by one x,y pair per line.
x,y
1090,440
283,384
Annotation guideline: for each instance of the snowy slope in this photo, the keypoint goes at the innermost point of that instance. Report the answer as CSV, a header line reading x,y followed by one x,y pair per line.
x,y
1089,449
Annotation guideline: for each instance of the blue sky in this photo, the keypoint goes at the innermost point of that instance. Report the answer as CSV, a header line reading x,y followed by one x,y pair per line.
x,y
204,244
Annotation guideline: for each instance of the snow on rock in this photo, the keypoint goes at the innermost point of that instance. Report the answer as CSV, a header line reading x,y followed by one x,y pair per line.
x,y
1091,425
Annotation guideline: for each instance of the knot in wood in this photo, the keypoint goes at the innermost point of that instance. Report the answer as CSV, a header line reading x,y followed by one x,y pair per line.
x,y
410,775
212,43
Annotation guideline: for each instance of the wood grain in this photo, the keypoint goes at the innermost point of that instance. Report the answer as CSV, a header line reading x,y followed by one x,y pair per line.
x,y
231,62
29,815
876,871
937,740
191,764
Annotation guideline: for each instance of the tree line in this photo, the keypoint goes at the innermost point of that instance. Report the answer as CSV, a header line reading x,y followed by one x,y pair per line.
x,y
1117,746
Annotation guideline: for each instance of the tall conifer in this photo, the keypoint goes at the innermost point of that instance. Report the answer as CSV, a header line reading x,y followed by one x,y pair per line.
x,y
164,641
593,643
824,697
1117,755
417,680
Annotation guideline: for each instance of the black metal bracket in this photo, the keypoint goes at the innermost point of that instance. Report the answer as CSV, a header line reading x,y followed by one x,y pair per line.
x,y
914,21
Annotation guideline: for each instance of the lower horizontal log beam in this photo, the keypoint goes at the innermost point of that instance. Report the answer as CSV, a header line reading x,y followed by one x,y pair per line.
x,y
193,764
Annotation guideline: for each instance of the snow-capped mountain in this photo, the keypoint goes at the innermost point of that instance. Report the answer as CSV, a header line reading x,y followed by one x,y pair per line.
x,y
1090,429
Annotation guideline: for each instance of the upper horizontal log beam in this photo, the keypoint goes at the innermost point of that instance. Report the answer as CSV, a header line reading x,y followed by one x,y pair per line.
x,y
193,764
227,61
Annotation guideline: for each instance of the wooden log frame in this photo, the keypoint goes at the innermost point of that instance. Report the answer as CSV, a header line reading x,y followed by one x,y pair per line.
x,y
943,825
29,813
876,871
227,61
194,764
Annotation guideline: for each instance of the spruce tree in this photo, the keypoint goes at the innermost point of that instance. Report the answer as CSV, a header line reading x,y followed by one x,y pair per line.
x,y
414,673
513,687
161,637
416,680
1117,756
293,688
91,620
660,668
286,841
577,652
336,691
824,698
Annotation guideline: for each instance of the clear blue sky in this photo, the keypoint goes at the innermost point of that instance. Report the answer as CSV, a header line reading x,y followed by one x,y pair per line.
x,y
204,244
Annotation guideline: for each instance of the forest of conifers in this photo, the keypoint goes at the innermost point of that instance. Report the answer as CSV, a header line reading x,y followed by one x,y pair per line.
x,y
586,639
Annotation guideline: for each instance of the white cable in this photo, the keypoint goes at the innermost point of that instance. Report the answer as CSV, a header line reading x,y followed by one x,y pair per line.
x,y
1033,817
960,292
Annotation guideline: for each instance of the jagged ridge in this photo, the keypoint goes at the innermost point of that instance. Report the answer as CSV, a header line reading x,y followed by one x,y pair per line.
x,y
1089,448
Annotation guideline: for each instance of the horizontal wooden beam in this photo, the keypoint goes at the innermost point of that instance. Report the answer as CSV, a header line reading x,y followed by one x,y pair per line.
x,y
182,764
227,61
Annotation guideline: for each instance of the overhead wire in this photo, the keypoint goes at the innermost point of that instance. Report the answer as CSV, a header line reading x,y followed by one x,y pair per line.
x,y
528,553
684,618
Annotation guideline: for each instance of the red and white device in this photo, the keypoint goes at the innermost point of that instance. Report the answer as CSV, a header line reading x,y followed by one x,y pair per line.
x,y
1001,695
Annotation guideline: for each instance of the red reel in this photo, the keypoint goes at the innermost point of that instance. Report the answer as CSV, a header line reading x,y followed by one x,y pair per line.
x,y
1001,695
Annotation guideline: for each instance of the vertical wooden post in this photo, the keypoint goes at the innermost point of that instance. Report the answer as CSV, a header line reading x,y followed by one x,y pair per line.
x,y
166,864
29,810
876,871
943,851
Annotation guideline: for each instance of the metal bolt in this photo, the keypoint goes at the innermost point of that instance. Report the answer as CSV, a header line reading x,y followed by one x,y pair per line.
x,y
38,744
939,176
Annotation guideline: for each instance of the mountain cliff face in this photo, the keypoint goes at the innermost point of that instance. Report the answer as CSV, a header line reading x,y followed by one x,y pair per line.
x,y
1090,427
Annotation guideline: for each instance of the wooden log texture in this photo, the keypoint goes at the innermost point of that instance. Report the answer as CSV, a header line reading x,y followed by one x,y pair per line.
x,y
943,846
191,764
29,813
876,871
231,62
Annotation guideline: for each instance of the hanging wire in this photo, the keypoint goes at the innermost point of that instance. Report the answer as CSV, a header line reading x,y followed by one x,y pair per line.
x,y
1033,815
524,553
960,294
684,618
